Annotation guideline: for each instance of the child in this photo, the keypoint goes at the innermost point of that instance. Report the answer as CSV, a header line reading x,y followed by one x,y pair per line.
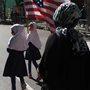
x,y
33,53
15,65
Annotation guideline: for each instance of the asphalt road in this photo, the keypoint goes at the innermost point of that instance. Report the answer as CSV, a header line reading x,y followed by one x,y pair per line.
x,y
5,83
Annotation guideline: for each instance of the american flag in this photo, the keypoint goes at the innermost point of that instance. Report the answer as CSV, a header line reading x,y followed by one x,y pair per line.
x,y
42,9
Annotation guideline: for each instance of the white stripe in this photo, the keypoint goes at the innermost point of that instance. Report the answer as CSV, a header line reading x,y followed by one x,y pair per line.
x,y
27,86
50,5
34,13
47,11
31,6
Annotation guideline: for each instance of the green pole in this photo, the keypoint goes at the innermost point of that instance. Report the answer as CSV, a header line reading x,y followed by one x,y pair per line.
x,y
4,7
17,2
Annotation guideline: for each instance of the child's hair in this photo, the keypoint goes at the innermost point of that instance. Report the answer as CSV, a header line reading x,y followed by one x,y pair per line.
x,y
12,32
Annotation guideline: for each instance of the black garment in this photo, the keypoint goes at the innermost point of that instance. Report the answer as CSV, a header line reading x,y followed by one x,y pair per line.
x,y
13,82
80,3
15,17
15,64
32,53
30,65
60,67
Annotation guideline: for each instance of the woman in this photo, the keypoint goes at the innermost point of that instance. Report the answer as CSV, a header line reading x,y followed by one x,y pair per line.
x,y
64,62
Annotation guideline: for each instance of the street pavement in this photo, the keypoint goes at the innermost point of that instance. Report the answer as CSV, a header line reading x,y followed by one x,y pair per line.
x,y
5,83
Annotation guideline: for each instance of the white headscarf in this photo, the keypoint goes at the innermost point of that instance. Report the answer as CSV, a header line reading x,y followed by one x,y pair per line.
x,y
33,36
18,41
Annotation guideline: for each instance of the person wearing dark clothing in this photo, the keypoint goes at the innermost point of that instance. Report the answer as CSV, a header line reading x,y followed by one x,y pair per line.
x,y
80,3
15,64
64,62
15,17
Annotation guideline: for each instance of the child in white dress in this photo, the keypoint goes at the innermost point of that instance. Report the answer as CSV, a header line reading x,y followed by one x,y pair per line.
x,y
15,64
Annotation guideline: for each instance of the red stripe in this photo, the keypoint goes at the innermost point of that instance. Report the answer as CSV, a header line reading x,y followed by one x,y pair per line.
x,y
32,9
46,14
35,16
51,24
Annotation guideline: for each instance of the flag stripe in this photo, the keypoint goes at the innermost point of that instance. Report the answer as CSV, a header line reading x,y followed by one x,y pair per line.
x,y
36,16
55,2
47,5
42,10
45,12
